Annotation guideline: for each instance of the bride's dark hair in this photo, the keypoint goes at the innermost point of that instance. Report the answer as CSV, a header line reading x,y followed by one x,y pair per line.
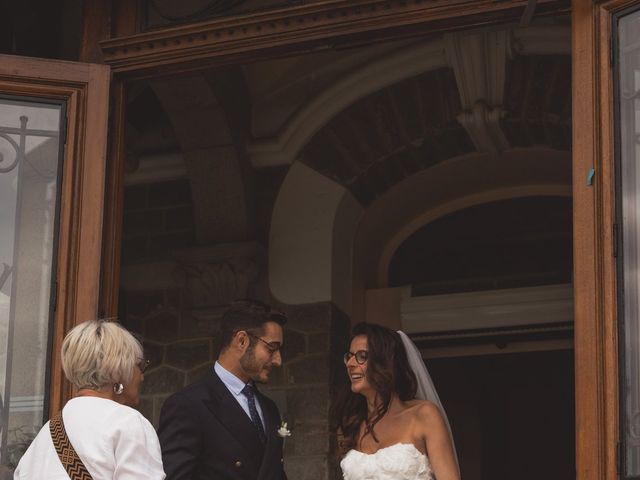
x,y
388,372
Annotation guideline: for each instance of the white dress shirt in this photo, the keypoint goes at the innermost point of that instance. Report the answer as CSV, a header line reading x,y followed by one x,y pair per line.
x,y
235,386
113,441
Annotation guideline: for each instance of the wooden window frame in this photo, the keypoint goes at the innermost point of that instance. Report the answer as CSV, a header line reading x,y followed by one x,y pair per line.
x,y
84,88
596,332
232,40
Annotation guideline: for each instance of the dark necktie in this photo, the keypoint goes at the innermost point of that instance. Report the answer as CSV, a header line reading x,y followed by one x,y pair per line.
x,y
248,392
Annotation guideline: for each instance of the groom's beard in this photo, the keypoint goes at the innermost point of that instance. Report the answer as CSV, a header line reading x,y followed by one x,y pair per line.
x,y
253,368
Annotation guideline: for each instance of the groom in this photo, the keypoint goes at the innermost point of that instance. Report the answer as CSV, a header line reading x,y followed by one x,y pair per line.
x,y
222,427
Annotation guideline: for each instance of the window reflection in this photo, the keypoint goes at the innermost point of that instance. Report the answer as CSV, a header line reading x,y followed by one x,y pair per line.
x,y
629,153
29,160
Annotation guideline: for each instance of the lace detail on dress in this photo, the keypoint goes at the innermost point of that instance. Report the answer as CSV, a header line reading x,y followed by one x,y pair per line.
x,y
402,461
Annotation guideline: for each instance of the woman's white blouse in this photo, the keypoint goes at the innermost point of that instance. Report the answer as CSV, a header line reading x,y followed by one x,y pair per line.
x,y
115,442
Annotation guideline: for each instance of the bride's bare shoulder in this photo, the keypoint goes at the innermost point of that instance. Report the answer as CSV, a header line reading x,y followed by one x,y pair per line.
x,y
423,410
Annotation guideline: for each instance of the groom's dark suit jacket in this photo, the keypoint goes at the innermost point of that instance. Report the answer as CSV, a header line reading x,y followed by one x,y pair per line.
x,y
205,434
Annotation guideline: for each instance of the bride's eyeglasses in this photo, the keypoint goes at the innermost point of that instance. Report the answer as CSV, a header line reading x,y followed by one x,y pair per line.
x,y
361,356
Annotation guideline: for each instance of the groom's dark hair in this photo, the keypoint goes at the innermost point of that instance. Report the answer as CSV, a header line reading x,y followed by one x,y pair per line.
x,y
388,371
248,315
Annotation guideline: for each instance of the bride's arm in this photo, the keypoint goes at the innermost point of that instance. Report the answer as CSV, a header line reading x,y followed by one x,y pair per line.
x,y
438,442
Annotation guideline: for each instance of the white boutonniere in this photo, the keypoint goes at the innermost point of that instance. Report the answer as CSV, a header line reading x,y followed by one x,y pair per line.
x,y
283,431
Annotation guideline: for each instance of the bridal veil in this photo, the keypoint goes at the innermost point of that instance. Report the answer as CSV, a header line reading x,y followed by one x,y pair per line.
x,y
426,390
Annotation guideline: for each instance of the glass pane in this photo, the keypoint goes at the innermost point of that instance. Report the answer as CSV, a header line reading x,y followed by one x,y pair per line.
x,y
29,163
628,90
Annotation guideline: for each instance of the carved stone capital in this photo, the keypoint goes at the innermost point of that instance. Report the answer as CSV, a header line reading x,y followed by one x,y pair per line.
x,y
218,275
482,124
479,62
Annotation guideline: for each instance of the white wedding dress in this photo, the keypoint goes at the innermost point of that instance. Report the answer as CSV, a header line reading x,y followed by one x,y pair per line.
x,y
402,461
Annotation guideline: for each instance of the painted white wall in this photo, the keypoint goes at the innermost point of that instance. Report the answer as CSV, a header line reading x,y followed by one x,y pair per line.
x,y
301,243
513,307
345,225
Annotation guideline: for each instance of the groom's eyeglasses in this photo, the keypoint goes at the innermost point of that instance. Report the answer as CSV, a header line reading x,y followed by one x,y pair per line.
x,y
273,347
361,356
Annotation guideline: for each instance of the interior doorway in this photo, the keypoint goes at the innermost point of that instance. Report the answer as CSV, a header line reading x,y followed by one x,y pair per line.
x,y
512,414
273,179
486,293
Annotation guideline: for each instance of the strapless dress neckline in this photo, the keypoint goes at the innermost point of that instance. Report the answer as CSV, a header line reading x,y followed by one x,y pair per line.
x,y
400,461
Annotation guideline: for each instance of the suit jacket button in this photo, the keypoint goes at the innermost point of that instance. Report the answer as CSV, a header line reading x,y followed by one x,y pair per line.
x,y
282,460
238,463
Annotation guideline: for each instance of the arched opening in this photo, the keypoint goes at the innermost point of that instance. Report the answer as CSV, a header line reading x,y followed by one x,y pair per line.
x,y
487,296
400,163
304,180
519,242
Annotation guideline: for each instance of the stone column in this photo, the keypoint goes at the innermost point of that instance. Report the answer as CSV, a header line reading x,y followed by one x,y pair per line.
x,y
179,315
315,338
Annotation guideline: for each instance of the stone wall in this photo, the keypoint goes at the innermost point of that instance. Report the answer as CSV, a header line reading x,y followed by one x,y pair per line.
x,y
173,294
315,338
180,345
176,305
157,218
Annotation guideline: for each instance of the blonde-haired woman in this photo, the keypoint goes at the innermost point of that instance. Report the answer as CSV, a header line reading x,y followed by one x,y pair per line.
x,y
105,363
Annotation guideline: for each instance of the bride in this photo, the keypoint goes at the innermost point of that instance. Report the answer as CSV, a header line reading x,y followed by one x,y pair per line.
x,y
390,423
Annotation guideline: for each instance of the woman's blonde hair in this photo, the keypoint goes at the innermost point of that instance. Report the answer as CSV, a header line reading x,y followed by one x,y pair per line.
x,y
98,353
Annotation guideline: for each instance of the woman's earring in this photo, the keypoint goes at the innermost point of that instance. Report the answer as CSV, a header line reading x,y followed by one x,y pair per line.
x,y
118,388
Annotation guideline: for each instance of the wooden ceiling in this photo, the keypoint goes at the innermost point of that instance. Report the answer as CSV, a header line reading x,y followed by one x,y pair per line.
x,y
538,101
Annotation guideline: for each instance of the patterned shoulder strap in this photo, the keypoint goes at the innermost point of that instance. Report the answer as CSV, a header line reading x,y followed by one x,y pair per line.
x,y
66,453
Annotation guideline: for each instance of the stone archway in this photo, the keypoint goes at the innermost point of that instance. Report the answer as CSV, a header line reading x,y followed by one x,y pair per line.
x,y
361,182
214,165
453,185
478,58
190,203
383,138
337,177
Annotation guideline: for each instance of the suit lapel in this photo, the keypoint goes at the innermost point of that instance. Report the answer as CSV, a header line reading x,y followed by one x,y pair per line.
x,y
234,419
271,420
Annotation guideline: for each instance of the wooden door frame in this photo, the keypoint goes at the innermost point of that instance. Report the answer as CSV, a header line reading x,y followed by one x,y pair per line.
x,y
596,329
294,30
313,26
84,88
